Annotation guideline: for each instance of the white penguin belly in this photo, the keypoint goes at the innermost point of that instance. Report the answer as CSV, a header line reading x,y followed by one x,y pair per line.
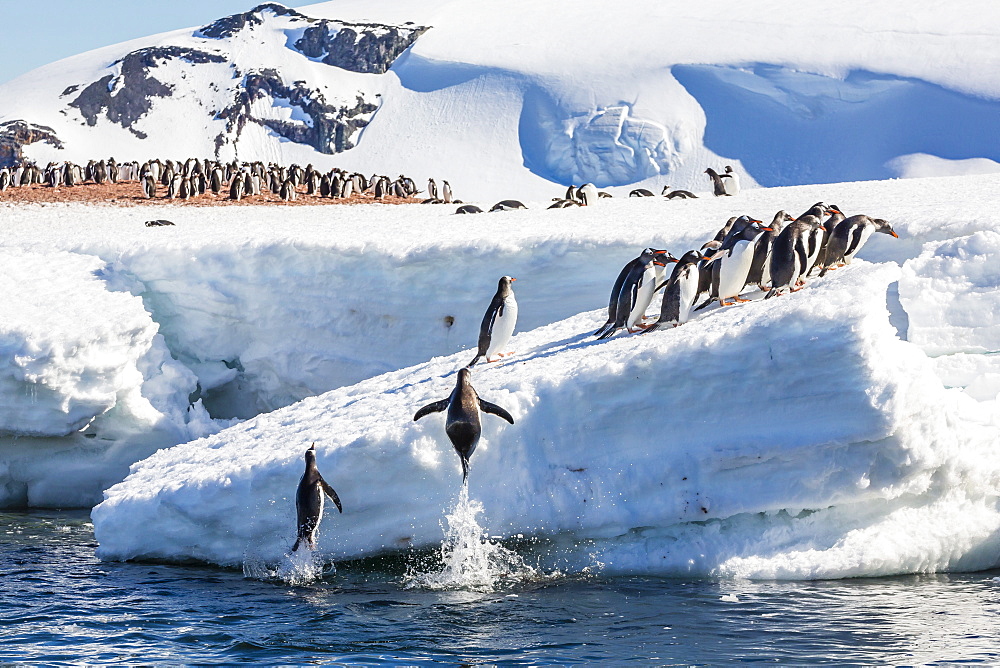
x,y
503,328
642,298
734,270
732,184
865,233
688,293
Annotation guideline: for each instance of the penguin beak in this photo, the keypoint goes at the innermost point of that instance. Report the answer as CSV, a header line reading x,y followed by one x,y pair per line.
x,y
767,229
893,234
822,228
512,279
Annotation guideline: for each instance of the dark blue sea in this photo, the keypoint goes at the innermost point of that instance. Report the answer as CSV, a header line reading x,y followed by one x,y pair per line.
x,y
60,605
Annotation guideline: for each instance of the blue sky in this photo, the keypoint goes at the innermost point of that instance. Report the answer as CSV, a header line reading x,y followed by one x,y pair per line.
x,y
30,37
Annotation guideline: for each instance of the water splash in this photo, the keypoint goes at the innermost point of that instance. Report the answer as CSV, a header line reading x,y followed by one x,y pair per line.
x,y
299,568
469,559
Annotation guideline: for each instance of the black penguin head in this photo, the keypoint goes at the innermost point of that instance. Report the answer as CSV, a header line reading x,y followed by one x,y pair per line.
x,y
729,170
311,456
464,376
505,284
884,227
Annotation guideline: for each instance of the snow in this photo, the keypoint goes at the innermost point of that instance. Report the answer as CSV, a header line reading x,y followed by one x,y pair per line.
x,y
562,94
855,439
179,373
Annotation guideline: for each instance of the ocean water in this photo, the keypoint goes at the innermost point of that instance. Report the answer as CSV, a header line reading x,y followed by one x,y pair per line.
x,y
60,605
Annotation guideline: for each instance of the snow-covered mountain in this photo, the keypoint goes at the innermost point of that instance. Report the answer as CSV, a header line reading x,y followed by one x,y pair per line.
x,y
515,96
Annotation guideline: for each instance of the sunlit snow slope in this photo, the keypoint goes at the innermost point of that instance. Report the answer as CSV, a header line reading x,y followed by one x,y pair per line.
x,y
506,99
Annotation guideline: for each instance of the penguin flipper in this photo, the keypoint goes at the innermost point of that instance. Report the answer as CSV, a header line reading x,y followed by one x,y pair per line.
x,y
435,407
651,328
331,493
474,360
608,334
772,293
703,304
604,327
298,541
487,407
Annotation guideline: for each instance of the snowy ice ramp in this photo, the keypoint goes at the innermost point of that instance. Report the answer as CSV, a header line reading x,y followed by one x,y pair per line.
x,y
797,437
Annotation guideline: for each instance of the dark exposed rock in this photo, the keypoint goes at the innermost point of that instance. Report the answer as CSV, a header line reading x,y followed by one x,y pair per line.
x,y
16,134
230,25
331,129
126,98
369,48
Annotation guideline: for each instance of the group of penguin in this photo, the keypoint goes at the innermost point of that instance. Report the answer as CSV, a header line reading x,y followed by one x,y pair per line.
x,y
463,420
744,255
194,177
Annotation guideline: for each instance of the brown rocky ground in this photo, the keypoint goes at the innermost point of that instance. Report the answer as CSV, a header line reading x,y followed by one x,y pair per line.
x,y
130,194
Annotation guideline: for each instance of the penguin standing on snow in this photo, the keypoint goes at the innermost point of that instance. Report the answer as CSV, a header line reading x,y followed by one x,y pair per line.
x,y
446,193
681,291
849,236
463,423
790,254
760,270
829,225
617,289
309,501
498,322
730,181
432,189
718,187
730,264
637,291
587,194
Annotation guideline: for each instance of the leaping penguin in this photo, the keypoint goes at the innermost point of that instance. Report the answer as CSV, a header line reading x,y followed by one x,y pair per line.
x,y
463,423
498,322
309,501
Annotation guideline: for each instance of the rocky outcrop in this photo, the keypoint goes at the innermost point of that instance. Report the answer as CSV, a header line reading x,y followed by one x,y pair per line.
x,y
126,97
367,48
14,135
230,25
330,129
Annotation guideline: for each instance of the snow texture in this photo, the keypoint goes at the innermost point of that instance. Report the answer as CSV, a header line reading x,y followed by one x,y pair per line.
x,y
810,435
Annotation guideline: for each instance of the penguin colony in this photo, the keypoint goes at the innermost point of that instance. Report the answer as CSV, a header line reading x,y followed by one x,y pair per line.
x,y
744,255
193,178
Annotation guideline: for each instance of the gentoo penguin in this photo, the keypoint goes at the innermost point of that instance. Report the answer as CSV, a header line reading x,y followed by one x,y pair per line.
x,y
587,194
149,187
617,288
446,194
760,270
507,205
718,187
604,195
432,189
790,254
636,291
730,181
570,192
730,264
236,187
564,204
681,291
463,424
498,322
640,192
830,224
677,194
158,223
849,236
309,501
468,208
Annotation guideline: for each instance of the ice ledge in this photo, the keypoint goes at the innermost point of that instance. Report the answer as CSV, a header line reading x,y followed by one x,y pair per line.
x,y
805,401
